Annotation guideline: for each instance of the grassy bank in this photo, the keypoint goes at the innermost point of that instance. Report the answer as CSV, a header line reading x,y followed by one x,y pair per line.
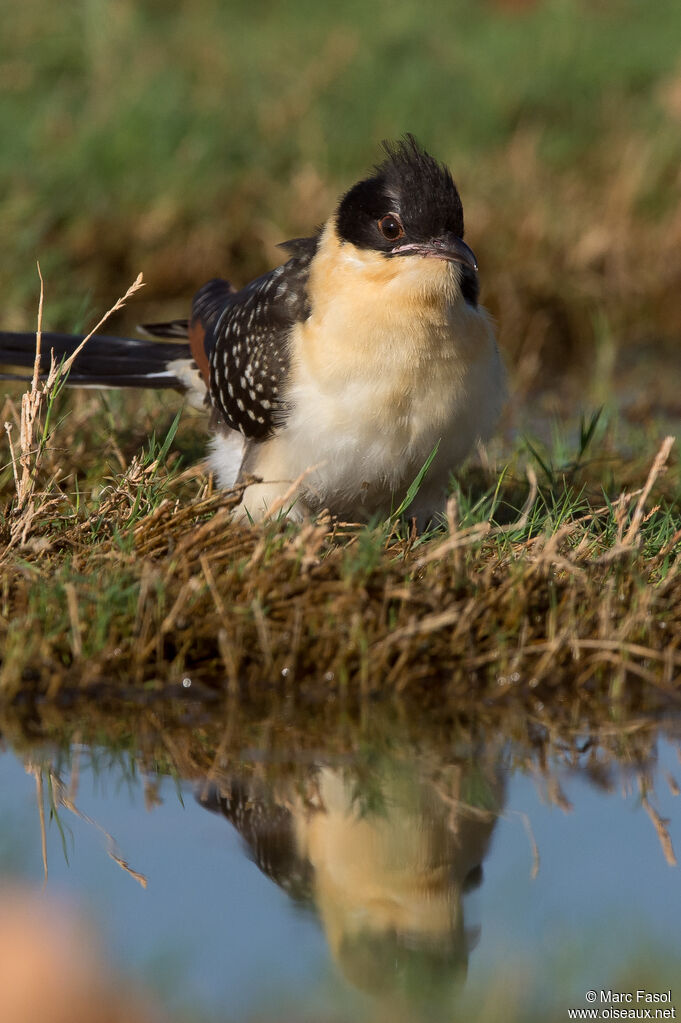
x,y
552,576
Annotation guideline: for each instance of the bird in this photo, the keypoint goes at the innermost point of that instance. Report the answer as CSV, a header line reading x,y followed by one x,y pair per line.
x,y
385,854
334,378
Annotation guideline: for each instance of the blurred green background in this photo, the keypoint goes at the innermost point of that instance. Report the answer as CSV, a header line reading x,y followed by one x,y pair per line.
x,y
185,139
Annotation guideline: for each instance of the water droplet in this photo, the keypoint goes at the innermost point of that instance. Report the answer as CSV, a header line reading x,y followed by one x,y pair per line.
x,y
186,682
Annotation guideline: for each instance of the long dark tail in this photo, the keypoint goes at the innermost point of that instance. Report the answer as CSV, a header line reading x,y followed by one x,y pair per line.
x,y
105,361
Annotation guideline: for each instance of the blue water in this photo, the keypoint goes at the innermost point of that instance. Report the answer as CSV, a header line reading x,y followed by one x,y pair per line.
x,y
213,932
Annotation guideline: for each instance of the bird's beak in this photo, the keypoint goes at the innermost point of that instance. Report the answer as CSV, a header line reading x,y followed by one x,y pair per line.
x,y
448,247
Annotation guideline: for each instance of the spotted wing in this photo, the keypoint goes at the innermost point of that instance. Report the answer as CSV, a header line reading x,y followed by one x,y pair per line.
x,y
249,345
267,828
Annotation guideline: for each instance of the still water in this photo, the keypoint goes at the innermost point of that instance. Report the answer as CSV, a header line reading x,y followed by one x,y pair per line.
x,y
479,880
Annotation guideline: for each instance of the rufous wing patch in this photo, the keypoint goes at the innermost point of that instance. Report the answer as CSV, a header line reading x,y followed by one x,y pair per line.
x,y
197,338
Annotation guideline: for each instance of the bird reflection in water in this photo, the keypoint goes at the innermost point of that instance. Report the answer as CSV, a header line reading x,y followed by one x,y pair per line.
x,y
384,851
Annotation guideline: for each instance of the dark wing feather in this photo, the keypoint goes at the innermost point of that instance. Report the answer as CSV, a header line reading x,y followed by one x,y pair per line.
x,y
209,302
103,362
172,328
249,345
268,829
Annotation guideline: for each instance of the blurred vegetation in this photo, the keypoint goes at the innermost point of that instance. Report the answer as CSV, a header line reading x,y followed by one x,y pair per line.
x,y
187,139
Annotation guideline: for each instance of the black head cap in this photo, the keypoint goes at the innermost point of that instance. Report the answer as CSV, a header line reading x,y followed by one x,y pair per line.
x,y
409,183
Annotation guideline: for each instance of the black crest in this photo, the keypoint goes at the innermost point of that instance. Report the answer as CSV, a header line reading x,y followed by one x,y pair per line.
x,y
410,183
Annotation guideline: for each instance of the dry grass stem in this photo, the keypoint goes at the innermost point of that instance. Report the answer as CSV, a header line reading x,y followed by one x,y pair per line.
x,y
527,825
63,798
661,827
657,467
40,798
27,503
59,372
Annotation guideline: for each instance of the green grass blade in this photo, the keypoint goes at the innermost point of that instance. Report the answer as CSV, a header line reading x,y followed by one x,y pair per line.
x,y
415,485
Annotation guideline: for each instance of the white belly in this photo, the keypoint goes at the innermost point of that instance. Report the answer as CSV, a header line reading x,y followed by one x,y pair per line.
x,y
363,437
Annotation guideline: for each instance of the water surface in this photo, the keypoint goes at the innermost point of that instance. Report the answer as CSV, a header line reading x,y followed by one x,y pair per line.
x,y
474,879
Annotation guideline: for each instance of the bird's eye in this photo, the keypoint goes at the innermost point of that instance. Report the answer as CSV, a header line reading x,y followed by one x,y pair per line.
x,y
390,227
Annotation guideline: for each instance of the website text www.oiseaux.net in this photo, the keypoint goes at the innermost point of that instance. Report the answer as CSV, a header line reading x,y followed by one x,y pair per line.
x,y
638,1004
